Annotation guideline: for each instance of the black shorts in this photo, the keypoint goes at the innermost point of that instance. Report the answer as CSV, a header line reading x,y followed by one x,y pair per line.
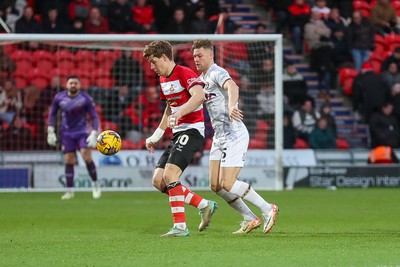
x,y
181,149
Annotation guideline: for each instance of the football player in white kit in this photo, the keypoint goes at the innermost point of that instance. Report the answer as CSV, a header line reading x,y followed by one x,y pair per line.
x,y
183,92
230,141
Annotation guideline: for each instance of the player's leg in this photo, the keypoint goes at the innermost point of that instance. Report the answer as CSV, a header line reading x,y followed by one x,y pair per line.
x,y
68,145
70,160
230,167
90,166
191,198
185,144
250,220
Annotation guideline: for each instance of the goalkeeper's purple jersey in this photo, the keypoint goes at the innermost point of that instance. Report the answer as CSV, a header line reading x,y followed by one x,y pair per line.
x,y
73,112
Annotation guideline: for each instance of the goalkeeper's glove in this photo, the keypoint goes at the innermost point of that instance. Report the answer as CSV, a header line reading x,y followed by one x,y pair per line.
x,y
157,135
51,136
92,139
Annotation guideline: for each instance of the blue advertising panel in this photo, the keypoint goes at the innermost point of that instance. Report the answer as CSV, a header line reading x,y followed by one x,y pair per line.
x,y
14,177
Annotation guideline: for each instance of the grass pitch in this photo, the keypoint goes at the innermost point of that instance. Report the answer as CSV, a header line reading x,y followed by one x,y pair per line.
x,y
315,227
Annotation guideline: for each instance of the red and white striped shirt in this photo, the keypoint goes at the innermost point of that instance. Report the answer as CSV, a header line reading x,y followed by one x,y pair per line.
x,y
175,90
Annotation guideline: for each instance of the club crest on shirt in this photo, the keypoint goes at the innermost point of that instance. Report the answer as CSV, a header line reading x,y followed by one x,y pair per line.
x,y
171,88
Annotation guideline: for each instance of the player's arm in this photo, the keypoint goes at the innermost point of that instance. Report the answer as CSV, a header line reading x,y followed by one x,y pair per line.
x,y
159,132
51,135
197,98
233,97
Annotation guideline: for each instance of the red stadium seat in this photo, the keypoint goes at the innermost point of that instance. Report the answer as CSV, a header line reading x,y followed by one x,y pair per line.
x,y
62,55
392,41
43,59
62,73
105,83
85,59
342,144
42,55
101,73
376,60
380,43
40,82
85,82
20,82
234,50
38,73
259,141
66,65
346,73
396,5
21,55
44,65
10,48
20,73
110,125
83,73
106,57
363,7
300,144
24,65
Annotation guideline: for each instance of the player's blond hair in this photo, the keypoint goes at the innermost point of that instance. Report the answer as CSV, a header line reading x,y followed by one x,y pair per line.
x,y
157,49
199,43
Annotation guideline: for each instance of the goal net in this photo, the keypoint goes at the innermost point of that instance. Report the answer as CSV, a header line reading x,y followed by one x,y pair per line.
x,y
113,71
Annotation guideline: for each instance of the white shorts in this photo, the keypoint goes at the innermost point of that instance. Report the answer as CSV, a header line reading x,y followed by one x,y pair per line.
x,y
231,152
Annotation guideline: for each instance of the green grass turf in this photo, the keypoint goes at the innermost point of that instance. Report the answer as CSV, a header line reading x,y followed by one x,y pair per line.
x,y
316,227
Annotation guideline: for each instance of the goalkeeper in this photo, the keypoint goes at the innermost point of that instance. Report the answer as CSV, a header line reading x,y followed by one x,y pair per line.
x,y
74,105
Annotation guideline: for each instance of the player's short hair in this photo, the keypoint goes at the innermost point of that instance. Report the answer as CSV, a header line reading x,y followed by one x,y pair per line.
x,y
199,43
73,77
157,49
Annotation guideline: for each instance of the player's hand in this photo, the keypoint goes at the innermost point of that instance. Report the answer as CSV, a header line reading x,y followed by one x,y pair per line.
x,y
157,135
235,114
92,139
149,145
173,119
51,136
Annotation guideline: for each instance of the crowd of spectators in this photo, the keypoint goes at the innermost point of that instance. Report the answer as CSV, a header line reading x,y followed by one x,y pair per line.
x,y
113,16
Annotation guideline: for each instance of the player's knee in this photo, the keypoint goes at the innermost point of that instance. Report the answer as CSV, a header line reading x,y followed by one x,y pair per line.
x,y
214,187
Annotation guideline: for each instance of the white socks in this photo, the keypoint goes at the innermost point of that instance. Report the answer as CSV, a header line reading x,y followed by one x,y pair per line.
x,y
245,191
238,204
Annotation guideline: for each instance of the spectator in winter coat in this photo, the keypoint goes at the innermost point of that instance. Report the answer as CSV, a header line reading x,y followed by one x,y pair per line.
x,y
305,118
95,23
322,137
384,127
395,57
361,39
299,15
27,23
392,75
383,17
370,92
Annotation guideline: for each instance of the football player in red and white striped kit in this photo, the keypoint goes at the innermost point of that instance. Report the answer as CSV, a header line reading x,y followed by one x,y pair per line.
x,y
184,95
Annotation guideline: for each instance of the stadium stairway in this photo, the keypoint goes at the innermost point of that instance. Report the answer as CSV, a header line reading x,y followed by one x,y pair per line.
x,y
248,14
348,127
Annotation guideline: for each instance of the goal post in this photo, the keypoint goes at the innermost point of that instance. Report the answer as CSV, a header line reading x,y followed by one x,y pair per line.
x,y
248,59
